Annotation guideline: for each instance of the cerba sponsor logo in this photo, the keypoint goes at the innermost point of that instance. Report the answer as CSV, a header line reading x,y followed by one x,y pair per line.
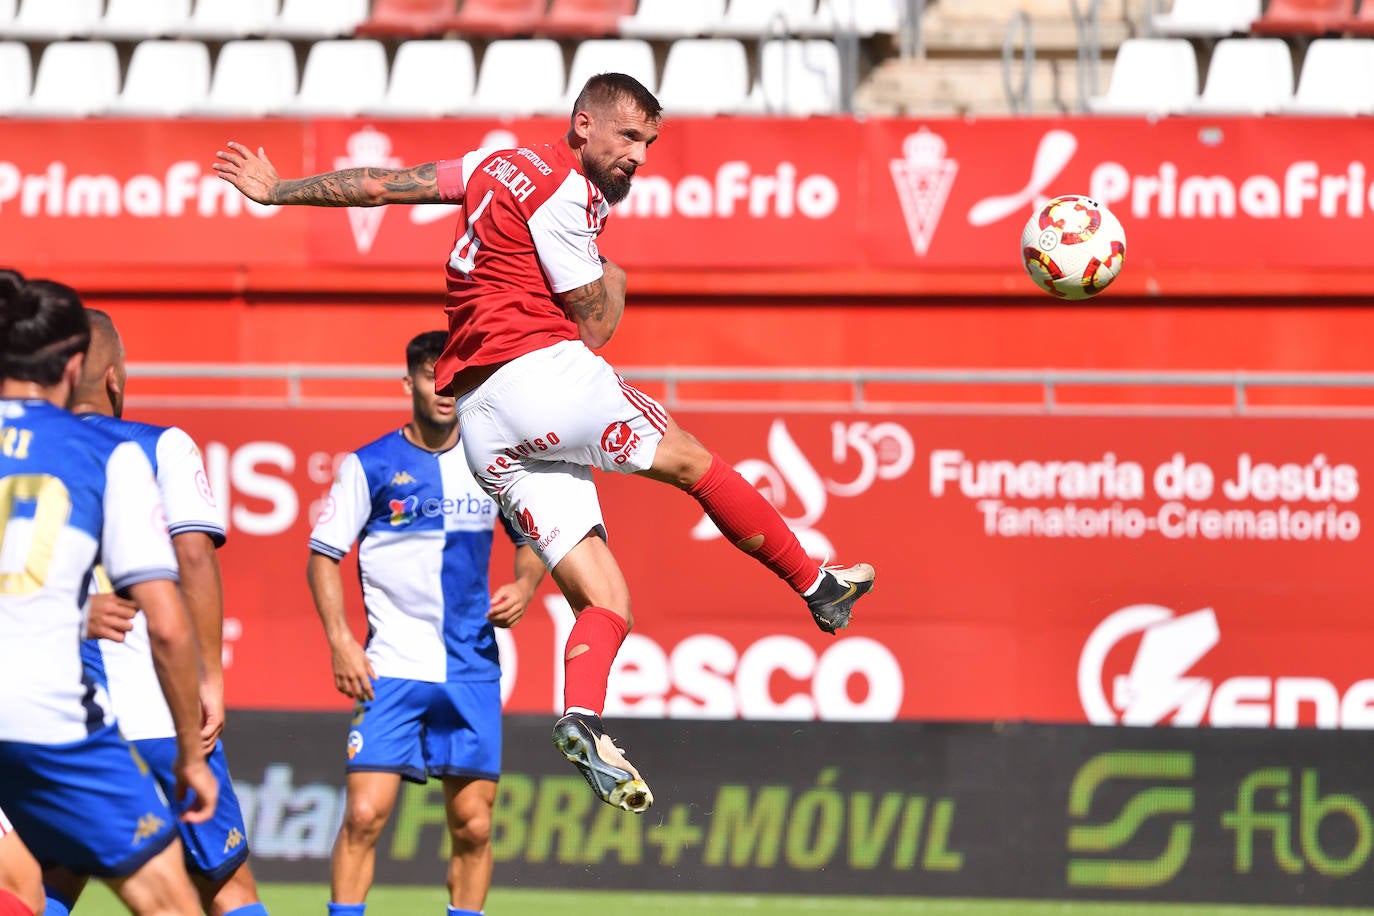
x,y
1140,666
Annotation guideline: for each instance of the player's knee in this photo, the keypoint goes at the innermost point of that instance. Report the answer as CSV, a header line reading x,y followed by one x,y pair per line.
x,y
364,819
472,834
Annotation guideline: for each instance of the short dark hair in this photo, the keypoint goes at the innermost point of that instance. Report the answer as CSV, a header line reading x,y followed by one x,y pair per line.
x,y
42,324
606,89
424,348
10,279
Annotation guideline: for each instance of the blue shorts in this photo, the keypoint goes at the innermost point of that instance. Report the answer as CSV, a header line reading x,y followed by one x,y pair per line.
x,y
423,730
219,846
91,806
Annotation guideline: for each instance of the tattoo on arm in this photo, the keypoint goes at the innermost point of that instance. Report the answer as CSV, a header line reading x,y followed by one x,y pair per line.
x,y
586,303
364,187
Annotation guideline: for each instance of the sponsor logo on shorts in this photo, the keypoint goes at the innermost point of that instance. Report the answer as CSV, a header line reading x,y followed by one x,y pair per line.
x,y
545,542
148,826
620,441
355,743
234,840
525,520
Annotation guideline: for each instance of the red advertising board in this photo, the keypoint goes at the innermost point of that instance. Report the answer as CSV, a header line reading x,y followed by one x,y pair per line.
x,y
1138,569
1196,195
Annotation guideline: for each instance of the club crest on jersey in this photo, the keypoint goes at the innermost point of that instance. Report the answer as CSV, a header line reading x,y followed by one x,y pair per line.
x,y
403,511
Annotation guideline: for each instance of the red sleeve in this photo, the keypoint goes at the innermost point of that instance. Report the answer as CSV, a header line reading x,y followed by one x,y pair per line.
x,y
450,175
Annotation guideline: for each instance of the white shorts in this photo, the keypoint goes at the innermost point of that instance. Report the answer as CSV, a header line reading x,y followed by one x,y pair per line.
x,y
533,431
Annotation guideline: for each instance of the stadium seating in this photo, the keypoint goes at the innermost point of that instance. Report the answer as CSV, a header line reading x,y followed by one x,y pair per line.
x,y
415,18
519,76
7,11
606,55
1303,17
252,77
1337,78
53,20
74,79
497,17
213,19
126,20
16,76
1247,76
705,76
1151,77
429,78
342,76
165,79
316,19
756,18
584,17
1206,18
1362,23
799,77
865,18
667,19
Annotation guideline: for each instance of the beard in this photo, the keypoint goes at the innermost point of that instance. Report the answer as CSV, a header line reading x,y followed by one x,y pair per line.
x,y
613,185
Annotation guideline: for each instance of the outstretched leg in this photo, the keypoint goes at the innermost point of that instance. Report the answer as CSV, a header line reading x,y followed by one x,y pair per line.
x,y
753,525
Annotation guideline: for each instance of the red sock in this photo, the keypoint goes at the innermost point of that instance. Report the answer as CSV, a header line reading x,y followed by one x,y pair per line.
x,y
741,513
11,905
585,675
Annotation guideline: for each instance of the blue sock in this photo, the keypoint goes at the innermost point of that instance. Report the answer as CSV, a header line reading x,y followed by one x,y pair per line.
x,y
56,906
252,909
454,911
346,909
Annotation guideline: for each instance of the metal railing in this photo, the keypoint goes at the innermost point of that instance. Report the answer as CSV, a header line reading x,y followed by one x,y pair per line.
x,y
1045,391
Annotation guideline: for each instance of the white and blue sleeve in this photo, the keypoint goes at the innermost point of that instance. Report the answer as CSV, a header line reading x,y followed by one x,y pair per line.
x,y
345,512
186,495
134,544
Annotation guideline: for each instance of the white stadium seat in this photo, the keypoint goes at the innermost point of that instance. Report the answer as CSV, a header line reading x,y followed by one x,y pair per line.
x,y
1151,77
252,77
230,18
429,78
519,76
762,18
137,19
705,76
671,18
800,77
52,20
165,79
1206,18
16,76
315,19
7,11
1337,78
342,76
865,18
74,79
1247,76
631,56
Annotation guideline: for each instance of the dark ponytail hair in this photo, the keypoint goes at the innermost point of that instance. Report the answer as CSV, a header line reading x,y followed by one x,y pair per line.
x,y
42,324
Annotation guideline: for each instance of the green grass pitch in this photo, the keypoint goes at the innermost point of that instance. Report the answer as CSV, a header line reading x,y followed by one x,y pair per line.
x,y
309,900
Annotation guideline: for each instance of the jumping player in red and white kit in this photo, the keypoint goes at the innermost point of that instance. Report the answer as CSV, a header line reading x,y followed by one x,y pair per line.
x,y
21,878
529,299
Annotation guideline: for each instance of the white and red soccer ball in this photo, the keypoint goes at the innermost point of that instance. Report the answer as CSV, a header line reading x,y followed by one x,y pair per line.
x,y
1073,247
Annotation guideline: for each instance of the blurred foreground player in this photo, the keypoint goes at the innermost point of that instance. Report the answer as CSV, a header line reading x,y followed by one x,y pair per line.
x,y
428,684
120,656
74,496
529,299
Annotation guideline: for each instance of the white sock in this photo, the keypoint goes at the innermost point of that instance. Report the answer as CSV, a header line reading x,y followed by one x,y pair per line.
x,y
583,710
820,577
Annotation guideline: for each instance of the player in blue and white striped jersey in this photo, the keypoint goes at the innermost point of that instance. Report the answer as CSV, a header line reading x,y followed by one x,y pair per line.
x,y
217,850
427,686
72,496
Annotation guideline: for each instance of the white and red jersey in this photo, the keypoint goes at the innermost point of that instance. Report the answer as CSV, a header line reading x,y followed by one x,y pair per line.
x,y
529,229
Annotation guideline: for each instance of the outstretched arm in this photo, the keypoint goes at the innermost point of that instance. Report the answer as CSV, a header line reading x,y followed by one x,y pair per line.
x,y
255,176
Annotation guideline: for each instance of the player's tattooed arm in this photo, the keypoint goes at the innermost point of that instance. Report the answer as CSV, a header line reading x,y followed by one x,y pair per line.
x,y
596,308
255,176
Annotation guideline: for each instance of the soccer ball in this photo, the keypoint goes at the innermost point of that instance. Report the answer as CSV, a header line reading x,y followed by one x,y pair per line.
x,y
1073,247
